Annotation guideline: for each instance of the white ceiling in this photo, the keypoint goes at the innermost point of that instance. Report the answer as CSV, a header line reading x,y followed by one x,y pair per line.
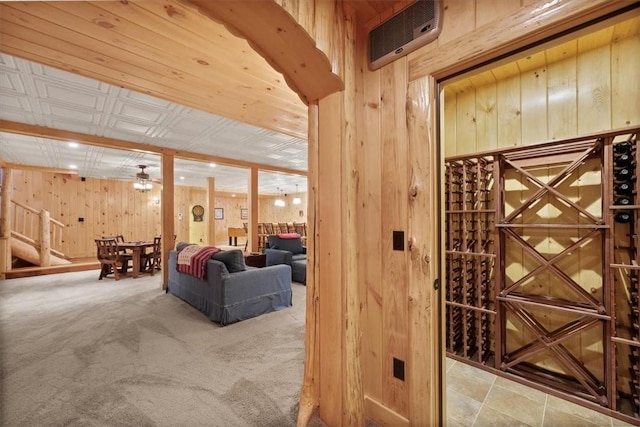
x,y
44,96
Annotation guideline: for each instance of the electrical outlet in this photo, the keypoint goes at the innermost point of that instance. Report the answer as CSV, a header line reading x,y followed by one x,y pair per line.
x,y
398,369
398,240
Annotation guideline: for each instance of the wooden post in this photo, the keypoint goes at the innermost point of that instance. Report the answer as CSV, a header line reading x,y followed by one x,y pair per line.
x,y
167,215
353,413
5,221
211,203
44,235
426,353
252,200
309,396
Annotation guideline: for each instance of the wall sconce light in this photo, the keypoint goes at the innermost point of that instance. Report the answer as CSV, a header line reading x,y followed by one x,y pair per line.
x,y
156,200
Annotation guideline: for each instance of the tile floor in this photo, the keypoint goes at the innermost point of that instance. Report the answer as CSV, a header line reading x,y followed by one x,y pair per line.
x,y
478,398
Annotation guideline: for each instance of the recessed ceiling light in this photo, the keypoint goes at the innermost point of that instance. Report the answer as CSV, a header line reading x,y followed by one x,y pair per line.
x,y
74,144
213,165
182,177
73,167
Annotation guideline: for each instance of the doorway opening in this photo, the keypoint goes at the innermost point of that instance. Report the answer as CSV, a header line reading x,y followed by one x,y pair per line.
x,y
530,210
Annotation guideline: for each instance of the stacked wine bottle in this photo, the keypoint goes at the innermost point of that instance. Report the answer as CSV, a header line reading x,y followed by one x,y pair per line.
x,y
625,177
624,191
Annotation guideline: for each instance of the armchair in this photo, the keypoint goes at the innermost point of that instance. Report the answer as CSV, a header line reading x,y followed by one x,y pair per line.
x,y
288,249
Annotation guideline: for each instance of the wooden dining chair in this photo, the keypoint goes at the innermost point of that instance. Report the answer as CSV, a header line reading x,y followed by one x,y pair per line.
x,y
152,261
110,258
268,227
127,256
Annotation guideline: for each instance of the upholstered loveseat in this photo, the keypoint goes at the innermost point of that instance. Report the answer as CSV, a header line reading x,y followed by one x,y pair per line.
x,y
288,249
230,296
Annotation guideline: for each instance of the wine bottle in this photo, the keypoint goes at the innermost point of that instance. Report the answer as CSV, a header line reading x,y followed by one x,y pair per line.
x,y
623,201
622,147
623,217
624,188
623,159
624,174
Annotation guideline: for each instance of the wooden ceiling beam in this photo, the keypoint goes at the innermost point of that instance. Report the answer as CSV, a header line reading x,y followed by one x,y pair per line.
x,y
279,39
101,141
41,169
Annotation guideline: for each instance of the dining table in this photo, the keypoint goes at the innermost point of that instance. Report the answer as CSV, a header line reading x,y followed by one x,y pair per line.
x,y
138,249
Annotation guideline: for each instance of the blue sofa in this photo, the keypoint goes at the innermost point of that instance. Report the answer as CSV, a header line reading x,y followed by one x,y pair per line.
x,y
288,251
227,297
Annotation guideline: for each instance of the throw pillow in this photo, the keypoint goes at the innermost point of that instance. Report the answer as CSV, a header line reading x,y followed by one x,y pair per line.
x,y
232,259
181,245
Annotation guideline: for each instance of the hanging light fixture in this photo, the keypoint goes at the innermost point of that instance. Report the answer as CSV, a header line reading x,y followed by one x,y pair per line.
x,y
142,182
279,202
296,199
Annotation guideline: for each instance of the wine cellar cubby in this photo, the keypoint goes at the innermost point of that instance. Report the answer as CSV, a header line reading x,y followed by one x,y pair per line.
x,y
542,267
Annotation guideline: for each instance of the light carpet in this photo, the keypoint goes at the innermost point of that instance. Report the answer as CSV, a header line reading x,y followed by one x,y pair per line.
x,y
78,351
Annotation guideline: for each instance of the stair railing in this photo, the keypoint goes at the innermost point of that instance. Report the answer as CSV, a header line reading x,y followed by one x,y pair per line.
x,y
38,229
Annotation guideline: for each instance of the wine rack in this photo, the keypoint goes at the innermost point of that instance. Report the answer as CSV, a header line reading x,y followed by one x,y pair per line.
x,y
484,222
470,258
624,272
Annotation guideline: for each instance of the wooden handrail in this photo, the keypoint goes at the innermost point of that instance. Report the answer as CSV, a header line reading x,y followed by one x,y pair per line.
x,y
56,222
28,208
45,235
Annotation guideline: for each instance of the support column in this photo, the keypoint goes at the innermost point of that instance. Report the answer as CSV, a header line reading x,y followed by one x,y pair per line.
x,y
167,215
252,200
211,204
5,221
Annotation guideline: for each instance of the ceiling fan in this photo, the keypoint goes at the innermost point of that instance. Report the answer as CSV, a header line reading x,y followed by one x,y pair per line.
x,y
143,182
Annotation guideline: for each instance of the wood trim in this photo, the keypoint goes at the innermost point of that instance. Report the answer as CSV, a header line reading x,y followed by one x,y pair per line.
x,y
384,415
100,141
523,28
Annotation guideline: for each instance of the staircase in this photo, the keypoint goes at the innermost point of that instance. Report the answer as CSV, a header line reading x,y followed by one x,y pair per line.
x,y
35,236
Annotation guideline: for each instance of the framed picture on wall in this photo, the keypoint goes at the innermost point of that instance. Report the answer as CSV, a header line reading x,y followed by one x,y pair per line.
x,y
244,213
218,213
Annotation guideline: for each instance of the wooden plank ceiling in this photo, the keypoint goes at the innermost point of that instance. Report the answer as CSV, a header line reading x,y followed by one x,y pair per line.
x,y
162,48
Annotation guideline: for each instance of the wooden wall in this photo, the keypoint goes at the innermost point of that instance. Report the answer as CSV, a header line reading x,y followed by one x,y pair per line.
x,y
581,86
108,208
112,207
395,138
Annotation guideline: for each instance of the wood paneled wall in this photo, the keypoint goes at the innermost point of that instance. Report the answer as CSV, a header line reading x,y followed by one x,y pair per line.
x,y
582,86
107,207
394,139
111,207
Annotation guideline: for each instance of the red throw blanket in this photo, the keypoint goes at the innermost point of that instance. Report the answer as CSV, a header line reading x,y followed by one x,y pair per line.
x,y
193,260
288,235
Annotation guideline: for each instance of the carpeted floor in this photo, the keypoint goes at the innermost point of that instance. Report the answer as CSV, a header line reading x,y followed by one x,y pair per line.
x,y
78,351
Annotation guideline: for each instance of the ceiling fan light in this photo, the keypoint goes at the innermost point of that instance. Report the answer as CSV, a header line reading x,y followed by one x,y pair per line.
x,y
142,182
142,186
